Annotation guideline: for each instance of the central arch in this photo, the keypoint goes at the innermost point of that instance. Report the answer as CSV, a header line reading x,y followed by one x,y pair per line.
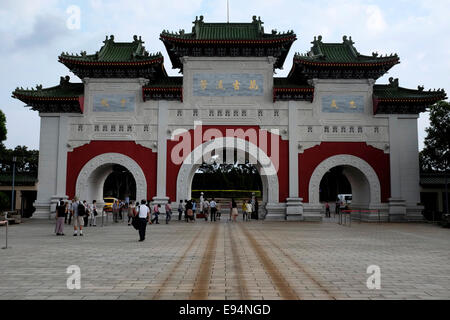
x,y
264,165
92,176
362,177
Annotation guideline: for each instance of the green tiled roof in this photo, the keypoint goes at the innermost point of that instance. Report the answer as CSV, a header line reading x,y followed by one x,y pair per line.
x,y
341,53
227,31
392,92
64,90
114,52
20,179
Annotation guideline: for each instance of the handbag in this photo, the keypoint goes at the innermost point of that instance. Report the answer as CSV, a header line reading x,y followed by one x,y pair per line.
x,y
135,220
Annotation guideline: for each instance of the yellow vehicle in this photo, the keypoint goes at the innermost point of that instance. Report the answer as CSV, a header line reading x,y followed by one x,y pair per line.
x,y
108,204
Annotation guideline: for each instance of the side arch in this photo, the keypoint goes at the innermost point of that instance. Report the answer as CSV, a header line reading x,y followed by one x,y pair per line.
x,y
89,185
360,174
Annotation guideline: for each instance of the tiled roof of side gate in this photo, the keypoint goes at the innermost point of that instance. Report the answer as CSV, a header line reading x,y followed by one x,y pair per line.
x,y
65,97
341,53
115,52
391,98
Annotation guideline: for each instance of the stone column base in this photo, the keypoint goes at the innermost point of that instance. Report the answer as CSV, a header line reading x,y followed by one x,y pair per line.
x,y
397,209
275,212
312,212
294,209
42,210
414,213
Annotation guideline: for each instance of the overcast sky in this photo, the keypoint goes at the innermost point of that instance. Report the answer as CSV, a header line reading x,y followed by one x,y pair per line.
x,y
34,32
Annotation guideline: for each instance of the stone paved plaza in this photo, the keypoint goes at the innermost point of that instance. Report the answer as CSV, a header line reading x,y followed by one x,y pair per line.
x,y
223,260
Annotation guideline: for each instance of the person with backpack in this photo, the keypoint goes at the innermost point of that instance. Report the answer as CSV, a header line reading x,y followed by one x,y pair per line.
x,y
142,216
78,213
213,206
61,214
168,211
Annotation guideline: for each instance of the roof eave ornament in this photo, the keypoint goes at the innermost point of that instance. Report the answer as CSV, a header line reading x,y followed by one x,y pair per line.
x,y
393,82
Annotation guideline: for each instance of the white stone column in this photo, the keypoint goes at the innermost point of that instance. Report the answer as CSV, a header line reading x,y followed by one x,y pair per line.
x,y
294,205
163,121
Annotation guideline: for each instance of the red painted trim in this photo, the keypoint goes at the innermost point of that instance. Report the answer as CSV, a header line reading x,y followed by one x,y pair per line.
x,y
81,102
283,171
144,157
311,158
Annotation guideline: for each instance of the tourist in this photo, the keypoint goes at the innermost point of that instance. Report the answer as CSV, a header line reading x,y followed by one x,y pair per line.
x,y
194,208
213,206
327,210
61,214
78,211
336,208
256,208
121,207
234,210
115,210
143,213
206,208
168,211
70,213
94,213
189,213
88,213
248,211
180,210
131,212
156,213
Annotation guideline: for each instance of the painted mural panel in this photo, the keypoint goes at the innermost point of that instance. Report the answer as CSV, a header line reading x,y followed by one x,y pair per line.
x,y
124,102
343,104
228,84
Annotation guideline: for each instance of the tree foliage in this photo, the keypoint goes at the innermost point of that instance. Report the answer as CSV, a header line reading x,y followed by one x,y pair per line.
x,y
3,130
436,154
26,160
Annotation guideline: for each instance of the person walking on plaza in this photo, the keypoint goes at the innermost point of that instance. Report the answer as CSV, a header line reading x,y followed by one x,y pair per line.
x,y
156,213
194,208
94,214
206,209
327,210
336,208
143,214
213,206
115,210
189,213
248,211
180,210
131,213
78,213
234,210
61,214
70,213
88,213
168,211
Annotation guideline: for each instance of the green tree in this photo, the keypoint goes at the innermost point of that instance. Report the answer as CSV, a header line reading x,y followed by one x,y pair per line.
x,y
3,130
436,154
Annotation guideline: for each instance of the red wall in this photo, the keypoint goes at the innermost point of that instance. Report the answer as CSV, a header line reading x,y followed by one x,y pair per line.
x,y
283,171
144,157
311,158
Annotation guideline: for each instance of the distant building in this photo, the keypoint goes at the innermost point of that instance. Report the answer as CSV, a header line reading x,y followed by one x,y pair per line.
x,y
327,112
25,191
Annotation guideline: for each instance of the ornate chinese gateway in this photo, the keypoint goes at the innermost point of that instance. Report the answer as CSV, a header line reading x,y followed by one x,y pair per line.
x,y
327,112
